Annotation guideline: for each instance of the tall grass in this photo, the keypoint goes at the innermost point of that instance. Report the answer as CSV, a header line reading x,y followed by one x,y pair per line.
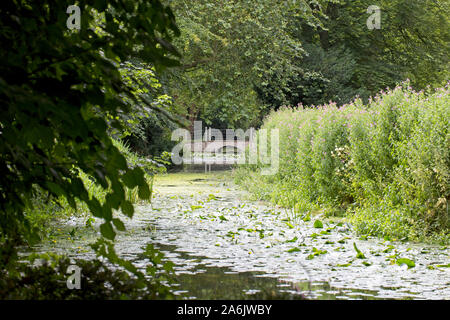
x,y
385,165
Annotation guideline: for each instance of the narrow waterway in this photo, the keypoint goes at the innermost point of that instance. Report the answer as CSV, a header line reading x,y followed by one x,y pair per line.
x,y
226,246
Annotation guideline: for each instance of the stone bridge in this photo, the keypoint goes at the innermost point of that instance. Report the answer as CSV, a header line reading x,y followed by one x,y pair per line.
x,y
218,146
218,140
213,146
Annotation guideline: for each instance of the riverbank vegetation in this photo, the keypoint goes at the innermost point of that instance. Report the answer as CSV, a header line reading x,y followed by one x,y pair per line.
x,y
88,112
385,165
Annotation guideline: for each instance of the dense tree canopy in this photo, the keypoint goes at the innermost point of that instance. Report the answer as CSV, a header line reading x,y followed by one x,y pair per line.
x,y
344,58
242,58
228,47
60,89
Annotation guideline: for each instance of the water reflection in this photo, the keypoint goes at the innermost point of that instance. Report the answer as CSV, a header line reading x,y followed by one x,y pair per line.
x,y
219,283
227,247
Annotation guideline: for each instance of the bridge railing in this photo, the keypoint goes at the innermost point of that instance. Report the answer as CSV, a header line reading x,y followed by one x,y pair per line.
x,y
215,134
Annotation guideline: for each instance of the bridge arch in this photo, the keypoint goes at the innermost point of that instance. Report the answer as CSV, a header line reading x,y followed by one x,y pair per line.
x,y
225,148
220,146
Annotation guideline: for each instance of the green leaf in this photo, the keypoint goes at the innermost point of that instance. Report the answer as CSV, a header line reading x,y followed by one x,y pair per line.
x,y
71,201
113,200
55,188
293,250
118,224
129,179
134,178
127,208
107,212
144,192
107,231
168,266
95,207
78,188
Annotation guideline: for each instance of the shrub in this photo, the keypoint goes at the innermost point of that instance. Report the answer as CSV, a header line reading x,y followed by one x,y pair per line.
x,y
47,279
386,163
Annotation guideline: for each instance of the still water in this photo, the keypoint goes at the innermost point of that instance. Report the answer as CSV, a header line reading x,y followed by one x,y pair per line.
x,y
226,246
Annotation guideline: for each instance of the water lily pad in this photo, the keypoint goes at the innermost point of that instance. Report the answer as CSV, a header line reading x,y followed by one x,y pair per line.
x,y
443,265
289,225
315,252
359,254
292,240
348,264
211,197
408,262
318,224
